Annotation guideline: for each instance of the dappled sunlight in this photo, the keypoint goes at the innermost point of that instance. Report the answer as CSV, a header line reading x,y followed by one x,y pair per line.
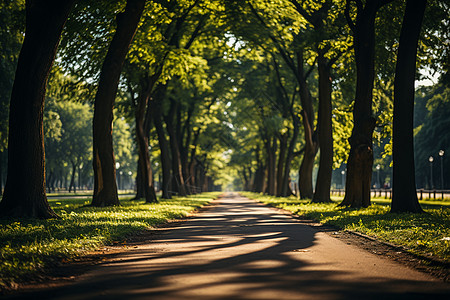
x,y
242,250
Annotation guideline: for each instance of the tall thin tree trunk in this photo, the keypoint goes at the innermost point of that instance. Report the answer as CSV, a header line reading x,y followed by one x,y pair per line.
x,y
290,155
404,195
25,194
323,183
311,145
177,179
144,155
72,178
105,187
163,145
307,165
281,165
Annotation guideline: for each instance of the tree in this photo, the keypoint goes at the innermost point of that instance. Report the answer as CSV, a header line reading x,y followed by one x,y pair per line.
x,y
25,185
404,195
360,160
11,37
105,189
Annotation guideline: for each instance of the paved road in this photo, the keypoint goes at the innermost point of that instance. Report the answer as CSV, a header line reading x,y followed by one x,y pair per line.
x,y
239,249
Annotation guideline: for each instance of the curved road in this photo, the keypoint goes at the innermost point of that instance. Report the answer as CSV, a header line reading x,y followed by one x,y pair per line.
x,y
239,249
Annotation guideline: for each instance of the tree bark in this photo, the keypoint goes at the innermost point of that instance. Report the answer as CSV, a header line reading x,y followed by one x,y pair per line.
x,y
270,150
311,146
144,155
360,160
281,164
177,180
323,183
72,178
163,146
105,187
307,165
290,155
25,194
404,195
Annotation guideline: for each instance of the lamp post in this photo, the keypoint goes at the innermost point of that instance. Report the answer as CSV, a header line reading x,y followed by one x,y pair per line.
x,y
79,175
130,179
378,167
441,154
117,174
430,159
343,178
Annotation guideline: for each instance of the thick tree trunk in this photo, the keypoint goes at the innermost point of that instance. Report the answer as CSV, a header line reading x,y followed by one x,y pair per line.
x,y
1,173
404,195
360,160
24,194
323,183
105,188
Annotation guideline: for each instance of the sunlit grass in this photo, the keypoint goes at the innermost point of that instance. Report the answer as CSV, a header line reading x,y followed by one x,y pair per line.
x,y
28,246
426,234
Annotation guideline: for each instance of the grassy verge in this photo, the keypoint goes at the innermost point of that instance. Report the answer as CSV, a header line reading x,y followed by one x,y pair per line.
x,y
425,234
29,246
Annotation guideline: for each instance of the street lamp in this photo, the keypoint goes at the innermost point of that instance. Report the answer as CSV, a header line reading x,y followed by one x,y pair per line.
x,y
378,167
430,159
118,175
441,154
342,178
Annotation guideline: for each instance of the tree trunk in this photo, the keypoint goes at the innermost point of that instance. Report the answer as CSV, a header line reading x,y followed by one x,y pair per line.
x,y
163,146
270,150
404,195
311,146
281,165
323,183
177,180
105,188
144,155
290,155
24,194
72,178
307,165
360,160
1,173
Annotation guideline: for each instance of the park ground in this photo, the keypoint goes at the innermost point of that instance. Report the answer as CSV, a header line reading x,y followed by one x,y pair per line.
x,y
212,226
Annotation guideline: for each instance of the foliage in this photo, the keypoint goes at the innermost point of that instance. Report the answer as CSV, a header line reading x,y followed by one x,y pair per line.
x,y
12,18
426,234
28,247
432,135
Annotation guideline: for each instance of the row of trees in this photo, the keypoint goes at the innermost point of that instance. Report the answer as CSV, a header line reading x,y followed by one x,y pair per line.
x,y
264,85
324,39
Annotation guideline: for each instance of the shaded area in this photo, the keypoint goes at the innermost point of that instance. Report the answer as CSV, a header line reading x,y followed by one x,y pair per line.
x,y
242,250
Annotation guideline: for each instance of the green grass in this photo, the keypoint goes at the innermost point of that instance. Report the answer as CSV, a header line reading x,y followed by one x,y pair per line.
x,y
28,246
425,234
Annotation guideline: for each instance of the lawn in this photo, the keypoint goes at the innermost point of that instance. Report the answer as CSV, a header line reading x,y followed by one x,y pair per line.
x,y
28,246
426,234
